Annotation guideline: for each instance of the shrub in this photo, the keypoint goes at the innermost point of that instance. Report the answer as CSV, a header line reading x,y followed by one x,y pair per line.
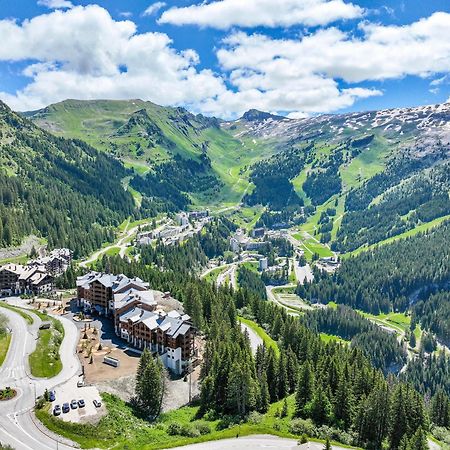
x,y
189,431
301,427
174,428
254,418
441,434
203,428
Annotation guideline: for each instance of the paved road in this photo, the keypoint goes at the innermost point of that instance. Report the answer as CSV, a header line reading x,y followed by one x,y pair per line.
x,y
228,273
256,442
255,340
121,243
17,426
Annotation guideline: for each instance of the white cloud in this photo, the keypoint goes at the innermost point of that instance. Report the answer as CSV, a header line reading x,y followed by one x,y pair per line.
x,y
224,14
81,52
442,80
301,74
84,53
154,8
56,4
126,14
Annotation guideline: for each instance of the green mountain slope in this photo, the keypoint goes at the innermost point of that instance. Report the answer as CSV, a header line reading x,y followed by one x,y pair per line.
x,y
338,166
63,190
145,136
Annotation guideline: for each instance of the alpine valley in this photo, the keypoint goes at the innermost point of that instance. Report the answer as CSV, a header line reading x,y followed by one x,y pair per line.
x,y
296,271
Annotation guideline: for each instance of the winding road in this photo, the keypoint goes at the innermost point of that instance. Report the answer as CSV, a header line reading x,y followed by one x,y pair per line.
x,y
18,426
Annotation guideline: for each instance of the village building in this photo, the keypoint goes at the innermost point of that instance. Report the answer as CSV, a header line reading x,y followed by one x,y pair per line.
x,y
16,279
56,262
137,319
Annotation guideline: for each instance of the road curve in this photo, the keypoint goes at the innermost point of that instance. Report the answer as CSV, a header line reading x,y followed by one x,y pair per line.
x,y
255,339
256,442
18,427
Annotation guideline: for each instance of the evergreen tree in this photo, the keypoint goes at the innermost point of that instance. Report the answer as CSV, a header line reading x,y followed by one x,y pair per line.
x,y
263,397
320,407
305,389
149,384
240,389
327,444
419,441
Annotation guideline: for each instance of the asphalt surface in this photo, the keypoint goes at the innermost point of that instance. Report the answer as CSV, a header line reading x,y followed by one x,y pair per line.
x,y
18,426
255,340
256,442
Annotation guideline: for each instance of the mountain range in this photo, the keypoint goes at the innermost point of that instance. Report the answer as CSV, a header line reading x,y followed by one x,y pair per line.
x,y
385,172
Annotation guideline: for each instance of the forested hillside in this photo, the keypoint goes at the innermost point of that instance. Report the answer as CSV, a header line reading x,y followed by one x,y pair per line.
x,y
387,170
62,190
173,153
336,390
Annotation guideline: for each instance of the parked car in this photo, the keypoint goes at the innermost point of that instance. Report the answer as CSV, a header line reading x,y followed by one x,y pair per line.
x,y
81,403
74,404
57,410
80,383
97,403
65,408
52,396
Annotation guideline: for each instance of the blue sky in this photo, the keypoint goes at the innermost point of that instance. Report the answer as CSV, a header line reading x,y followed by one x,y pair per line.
x,y
299,57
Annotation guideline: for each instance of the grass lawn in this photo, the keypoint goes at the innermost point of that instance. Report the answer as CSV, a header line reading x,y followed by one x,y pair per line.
x,y
5,340
211,277
332,338
113,251
19,311
45,361
397,321
310,246
268,341
121,429
251,265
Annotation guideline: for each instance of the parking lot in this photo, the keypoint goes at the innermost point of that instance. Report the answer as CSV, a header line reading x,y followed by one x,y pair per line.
x,y
68,392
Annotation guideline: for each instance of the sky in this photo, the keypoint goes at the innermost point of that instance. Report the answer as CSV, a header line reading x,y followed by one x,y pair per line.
x,y
222,57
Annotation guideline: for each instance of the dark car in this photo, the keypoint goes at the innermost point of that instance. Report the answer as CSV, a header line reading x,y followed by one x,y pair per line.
x,y
65,408
57,410
81,403
52,396
74,404
97,403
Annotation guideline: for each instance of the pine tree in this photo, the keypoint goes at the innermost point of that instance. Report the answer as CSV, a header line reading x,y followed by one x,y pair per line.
x,y
285,409
320,407
305,389
419,441
327,444
240,389
264,396
149,384
440,409
283,382
344,404
272,372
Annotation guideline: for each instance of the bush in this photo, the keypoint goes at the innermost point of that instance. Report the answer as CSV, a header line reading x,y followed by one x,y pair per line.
x,y
203,428
254,418
303,439
189,431
441,434
173,429
301,427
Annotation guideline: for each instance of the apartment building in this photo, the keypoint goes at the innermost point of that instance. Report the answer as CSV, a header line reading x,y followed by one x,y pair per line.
x,y
96,291
137,318
16,279
170,335
56,262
